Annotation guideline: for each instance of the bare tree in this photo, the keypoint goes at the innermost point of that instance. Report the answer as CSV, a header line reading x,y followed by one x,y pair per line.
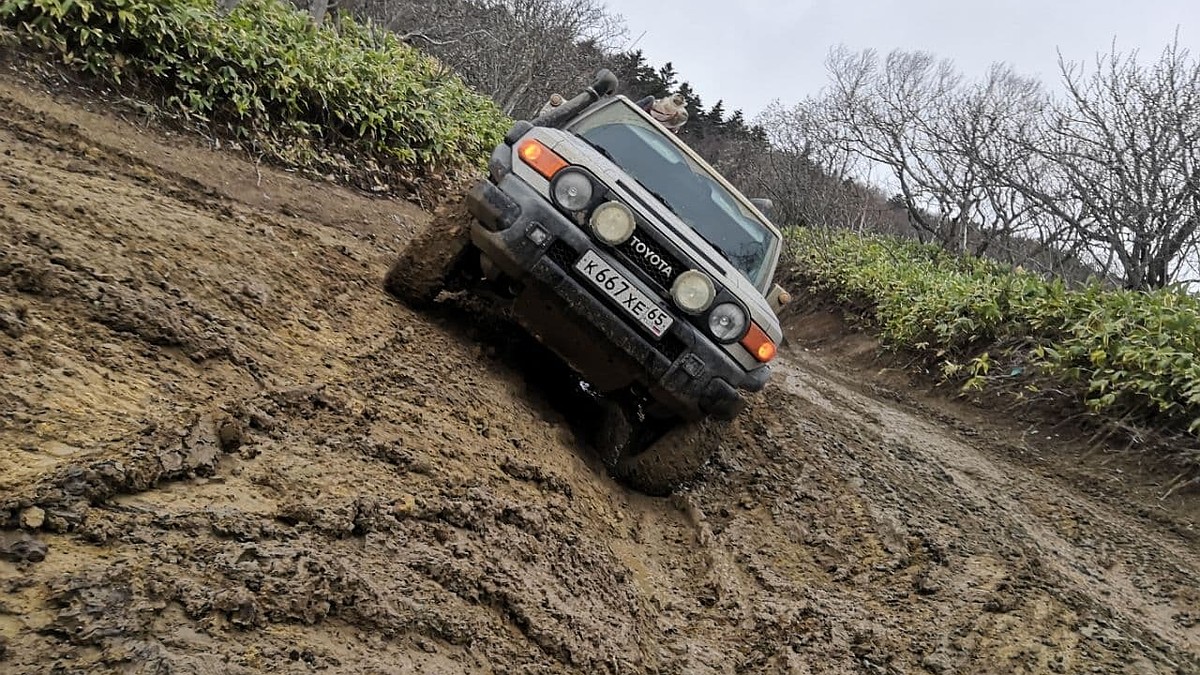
x,y
916,117
892,113
1104,179
989,126
809,175
1125,148
515,51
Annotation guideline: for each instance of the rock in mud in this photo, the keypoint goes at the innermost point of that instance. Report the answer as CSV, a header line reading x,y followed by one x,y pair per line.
x,y
229,433
404,506
33,518
937,662
927,582
240,606
21,547
11,324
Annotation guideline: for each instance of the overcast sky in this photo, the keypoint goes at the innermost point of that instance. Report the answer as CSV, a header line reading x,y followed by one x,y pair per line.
x,y
749,52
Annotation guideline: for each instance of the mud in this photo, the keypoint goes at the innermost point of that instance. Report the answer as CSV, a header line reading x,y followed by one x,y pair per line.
x,y
224,449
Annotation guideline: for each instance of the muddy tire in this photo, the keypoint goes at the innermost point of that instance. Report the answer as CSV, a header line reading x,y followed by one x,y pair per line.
x,y
617,432
670,460
432,258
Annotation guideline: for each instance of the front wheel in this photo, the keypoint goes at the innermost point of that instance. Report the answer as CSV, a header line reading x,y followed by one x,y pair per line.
x,y
433,257
655,456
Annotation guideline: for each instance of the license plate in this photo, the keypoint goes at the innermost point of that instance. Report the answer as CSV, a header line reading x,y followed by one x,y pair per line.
x,y
629,297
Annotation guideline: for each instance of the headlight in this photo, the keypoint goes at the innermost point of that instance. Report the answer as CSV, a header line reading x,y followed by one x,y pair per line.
x,y
693,291
727,322
572,190
612,223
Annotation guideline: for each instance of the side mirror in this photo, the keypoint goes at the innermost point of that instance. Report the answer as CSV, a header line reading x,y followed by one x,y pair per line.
x,y
763,204
778,298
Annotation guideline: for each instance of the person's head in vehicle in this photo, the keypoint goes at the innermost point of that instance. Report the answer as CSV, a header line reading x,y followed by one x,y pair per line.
x,y
670,111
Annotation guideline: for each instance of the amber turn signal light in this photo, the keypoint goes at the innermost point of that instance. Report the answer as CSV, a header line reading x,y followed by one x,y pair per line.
x,y
757,343
543,160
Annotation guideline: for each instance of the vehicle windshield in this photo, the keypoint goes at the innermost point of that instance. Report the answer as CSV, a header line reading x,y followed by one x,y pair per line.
x,y
686,187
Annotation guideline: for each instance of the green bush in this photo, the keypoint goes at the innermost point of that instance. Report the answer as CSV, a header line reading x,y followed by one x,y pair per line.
x,y
1127,355
345,96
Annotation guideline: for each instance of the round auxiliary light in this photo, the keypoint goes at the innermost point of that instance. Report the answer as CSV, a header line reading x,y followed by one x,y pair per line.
x,y
573,190
727,322
612,223
693,291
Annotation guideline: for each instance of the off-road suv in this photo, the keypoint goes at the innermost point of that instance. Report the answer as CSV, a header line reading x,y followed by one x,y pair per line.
x,y
632,259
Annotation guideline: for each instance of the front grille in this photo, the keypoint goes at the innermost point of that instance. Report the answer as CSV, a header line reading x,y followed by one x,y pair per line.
x,y
671,346
651,258
563,255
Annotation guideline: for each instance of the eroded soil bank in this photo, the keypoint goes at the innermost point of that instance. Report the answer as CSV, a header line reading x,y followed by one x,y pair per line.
x,y
224,449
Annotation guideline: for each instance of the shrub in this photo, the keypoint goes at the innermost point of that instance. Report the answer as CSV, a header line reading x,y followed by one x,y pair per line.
x,y
1125,354
347,96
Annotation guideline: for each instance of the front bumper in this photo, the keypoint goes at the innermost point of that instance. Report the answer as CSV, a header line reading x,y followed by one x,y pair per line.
x,y
683,369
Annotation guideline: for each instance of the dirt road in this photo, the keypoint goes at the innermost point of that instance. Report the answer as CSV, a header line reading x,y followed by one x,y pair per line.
x,y
223,449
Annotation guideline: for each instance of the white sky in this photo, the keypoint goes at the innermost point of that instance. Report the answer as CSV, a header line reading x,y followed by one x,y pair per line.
x,y
750,52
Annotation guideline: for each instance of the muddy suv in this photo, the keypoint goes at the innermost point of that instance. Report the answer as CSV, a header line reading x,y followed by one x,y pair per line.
x,y
630,257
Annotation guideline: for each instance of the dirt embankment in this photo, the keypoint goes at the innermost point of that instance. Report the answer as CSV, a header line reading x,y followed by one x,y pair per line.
x,y
223,449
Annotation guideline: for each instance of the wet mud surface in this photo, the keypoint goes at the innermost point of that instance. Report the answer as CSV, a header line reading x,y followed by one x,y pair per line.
x,y
224,449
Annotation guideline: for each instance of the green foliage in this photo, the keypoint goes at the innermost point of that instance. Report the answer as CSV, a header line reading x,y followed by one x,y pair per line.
x,y
1127,354
308,95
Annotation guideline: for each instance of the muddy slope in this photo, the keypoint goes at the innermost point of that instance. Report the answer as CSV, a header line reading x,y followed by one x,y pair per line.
x,y
223,449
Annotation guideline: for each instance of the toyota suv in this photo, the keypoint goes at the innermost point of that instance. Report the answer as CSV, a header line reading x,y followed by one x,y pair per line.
x,y
631,258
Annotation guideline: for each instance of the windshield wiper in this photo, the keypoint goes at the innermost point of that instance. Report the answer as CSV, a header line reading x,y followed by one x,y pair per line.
x,y
657,196
597,147
720,251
